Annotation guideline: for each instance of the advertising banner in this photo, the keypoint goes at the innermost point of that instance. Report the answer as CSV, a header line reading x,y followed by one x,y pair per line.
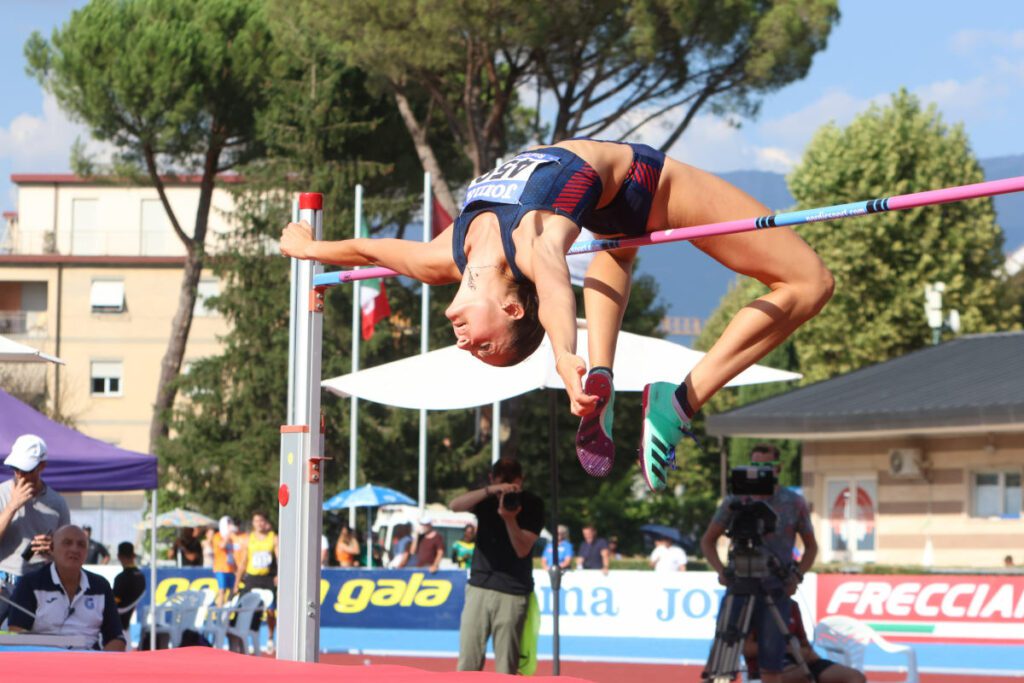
x,y
953,608
354,598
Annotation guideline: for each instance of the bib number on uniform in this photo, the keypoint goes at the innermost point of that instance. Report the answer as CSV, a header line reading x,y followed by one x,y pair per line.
x,y
505,184
262,559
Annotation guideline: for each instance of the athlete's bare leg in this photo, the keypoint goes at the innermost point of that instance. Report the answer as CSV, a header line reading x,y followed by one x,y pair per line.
x,y
605,295
800,283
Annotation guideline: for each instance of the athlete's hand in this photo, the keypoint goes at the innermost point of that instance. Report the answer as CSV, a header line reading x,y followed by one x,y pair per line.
x,y
295,238
571,369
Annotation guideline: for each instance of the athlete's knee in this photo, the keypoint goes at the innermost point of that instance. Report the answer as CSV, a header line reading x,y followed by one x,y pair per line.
x,y
815,291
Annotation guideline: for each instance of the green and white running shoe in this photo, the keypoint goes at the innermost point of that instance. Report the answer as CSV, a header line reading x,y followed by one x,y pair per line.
x,y
661,432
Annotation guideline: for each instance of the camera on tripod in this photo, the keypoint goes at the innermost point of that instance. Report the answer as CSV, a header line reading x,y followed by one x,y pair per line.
x,y
751,520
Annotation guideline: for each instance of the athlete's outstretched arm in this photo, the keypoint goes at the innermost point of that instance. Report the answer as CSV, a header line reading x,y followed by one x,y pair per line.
x,y
557,312
429,262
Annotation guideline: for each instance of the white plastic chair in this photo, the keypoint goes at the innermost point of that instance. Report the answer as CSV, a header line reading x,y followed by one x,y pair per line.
x,y
218,623
844,640
177,614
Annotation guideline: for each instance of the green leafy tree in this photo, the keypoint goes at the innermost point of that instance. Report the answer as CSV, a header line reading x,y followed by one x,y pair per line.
x,y
174,86
322,130
605,65
882,263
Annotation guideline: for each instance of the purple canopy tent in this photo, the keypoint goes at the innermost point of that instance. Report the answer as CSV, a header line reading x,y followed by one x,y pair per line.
x,y
75,462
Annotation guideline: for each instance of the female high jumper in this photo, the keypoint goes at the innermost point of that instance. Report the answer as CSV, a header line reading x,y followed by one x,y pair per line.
x,y
507,250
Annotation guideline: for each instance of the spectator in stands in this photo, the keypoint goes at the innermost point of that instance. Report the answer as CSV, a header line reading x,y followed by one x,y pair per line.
x,y
564,550
187,548
613,548
129,585
346,550
30,511
1008,561
428,548
66,599
666,556
98,553
401,543
462,549
593,552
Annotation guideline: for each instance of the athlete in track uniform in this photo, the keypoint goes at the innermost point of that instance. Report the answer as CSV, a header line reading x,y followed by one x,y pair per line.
x,y
507,250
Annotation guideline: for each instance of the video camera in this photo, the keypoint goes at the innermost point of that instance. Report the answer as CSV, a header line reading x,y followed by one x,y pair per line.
x,y
751,520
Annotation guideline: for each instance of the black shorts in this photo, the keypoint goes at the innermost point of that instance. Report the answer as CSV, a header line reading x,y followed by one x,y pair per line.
x,y
264,581
818,667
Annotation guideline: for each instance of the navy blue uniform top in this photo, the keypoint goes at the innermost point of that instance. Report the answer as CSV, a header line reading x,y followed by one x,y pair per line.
x,y
556,180
91,612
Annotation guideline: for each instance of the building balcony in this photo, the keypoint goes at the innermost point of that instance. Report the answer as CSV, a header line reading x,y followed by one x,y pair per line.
x,y
97,243
28,324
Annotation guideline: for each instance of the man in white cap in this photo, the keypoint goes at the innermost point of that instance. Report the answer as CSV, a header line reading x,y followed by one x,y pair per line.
x,y
428,548
30,512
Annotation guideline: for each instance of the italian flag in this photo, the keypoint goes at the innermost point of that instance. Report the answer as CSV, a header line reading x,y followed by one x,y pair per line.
x,y
373,299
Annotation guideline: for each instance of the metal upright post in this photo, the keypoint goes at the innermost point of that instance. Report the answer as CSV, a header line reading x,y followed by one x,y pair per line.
x,y
300,495
421,485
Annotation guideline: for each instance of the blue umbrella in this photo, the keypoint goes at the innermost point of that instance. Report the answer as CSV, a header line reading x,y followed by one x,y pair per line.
x,y
368,496
662,531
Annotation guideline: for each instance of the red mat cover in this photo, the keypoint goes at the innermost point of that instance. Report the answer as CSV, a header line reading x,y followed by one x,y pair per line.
x,y
206,665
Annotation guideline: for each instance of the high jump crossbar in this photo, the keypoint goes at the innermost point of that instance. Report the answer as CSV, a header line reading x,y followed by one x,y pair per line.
x,y
787,218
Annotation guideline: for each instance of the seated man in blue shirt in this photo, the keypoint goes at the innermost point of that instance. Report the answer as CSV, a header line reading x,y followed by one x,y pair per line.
x,y
565,550
67,600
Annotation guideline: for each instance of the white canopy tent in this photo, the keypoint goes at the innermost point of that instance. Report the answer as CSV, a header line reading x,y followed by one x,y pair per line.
x,y
13,352
450,378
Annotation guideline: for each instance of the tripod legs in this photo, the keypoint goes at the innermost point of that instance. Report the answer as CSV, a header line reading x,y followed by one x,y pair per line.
x,y
731,632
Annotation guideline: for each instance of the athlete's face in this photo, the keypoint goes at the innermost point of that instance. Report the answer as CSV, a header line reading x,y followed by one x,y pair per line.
x,y
482,328
260,524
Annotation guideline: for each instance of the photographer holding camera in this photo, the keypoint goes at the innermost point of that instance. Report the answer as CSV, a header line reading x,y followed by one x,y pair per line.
x,y
509,521
792,518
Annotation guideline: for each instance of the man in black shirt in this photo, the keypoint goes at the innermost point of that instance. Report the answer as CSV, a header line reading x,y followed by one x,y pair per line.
x,y
97,552
129,585
501,577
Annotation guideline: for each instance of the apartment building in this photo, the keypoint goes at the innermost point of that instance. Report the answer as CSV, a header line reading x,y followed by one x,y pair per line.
x,y
90,271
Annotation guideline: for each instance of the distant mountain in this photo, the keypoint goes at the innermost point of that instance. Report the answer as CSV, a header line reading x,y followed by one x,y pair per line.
x,y
766,187
691,284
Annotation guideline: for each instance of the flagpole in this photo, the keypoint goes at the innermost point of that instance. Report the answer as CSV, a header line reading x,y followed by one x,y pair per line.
x,y
353,430
424,342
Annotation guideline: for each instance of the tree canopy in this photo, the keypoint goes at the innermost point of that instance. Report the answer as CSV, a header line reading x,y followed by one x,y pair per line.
x,y
882,263
600,68
174,86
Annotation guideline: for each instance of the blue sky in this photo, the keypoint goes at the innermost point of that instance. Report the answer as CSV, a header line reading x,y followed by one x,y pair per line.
x,y
970,62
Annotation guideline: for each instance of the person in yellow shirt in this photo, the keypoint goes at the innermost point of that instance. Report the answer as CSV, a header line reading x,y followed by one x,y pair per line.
x,y
257,568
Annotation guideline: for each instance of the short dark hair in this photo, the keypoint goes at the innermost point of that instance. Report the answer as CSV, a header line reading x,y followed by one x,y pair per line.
x,y
767,449
527,332
125,549
507,469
